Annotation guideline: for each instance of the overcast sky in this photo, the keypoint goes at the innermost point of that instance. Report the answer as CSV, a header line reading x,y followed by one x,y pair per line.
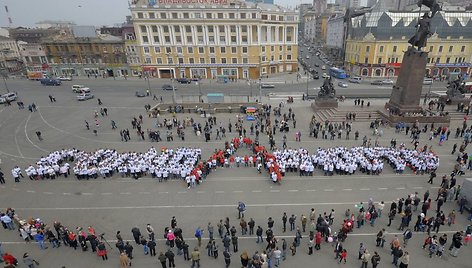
x,y
82,12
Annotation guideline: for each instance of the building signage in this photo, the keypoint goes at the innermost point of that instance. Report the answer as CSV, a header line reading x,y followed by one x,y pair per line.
x,y
190,2
462,64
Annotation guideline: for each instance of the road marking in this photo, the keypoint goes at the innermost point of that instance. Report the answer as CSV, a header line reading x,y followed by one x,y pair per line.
x,y
400,188
87,193
220,192
31,191
274,191
163,192
66,194
144,193
328,190
47,193
127,193
292,191
182,192
256,191
237,191
106,193
364,189
200,192
382,189
347,189
418,187
435,187
311,190
15,189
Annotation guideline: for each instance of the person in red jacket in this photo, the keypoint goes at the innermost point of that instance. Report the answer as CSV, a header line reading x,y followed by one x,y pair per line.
x,y
9,259
343,256
318,240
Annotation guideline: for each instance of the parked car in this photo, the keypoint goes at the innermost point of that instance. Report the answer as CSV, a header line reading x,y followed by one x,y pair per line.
x,y
307,56
8,96
84,96
428,81
83,90
323,67
76,88
50,82
267,86
316,76
168,87
140,94
183,80
355,79
342,84
376,82
387,82
317,65
65,78
325,75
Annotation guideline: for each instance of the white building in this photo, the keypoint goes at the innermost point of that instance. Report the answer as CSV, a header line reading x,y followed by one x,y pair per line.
x,y
33,55
335,32
10,57
310,26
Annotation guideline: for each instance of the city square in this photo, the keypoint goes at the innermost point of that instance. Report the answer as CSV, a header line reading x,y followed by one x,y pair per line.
x,y
237,133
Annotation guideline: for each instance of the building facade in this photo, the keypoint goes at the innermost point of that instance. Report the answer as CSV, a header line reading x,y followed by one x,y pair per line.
x,y
75,56
335,32
310,26
377,41
33,56
10,58
237,40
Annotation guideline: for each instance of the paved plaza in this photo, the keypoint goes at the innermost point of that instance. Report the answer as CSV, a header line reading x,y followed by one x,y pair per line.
x,y
121,203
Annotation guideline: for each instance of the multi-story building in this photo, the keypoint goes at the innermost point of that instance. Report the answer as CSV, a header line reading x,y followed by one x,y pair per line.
x,y
33,56
102,55
10,58
320,6
377,41
262,1
302,10
310,26
237,39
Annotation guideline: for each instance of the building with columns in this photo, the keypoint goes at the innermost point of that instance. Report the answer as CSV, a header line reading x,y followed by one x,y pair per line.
x,y
212,38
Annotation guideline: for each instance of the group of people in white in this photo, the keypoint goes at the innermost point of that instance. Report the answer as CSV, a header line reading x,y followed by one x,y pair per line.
x,y
344,161
164,164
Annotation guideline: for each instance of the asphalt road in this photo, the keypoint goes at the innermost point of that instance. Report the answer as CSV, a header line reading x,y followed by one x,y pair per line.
x,y
119,204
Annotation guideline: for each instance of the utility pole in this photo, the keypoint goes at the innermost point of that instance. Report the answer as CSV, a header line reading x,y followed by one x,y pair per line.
x,y
260,78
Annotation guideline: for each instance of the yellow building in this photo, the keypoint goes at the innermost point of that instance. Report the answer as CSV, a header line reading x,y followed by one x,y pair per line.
x,y
214,38
373,51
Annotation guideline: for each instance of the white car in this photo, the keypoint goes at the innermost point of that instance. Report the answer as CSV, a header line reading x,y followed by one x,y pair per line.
x,y
64,78
307,56
342,84
84,96
323,67
8,96
387,82
267,86
325,75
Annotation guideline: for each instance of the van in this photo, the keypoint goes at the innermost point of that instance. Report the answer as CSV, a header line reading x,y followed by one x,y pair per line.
x,y
428,81
355,79
75,88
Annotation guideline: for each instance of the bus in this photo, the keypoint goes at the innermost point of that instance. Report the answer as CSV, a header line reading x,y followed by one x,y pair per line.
x,y
337,73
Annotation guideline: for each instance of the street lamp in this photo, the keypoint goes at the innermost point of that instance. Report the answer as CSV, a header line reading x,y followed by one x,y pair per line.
x,y
260,78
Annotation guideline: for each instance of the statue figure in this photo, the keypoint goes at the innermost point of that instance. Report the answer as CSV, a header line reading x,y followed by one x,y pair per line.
x,y
422,33
327,89
432,4
456,88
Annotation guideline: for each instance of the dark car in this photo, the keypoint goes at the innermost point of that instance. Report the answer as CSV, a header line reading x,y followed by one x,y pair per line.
x,y
168,87
317,65
50,82
316,76
377,82
140,94
183,80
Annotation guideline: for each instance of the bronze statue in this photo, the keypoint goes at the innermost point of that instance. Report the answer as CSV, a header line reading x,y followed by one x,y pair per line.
x,y
327,89
422,33
432,4
456,88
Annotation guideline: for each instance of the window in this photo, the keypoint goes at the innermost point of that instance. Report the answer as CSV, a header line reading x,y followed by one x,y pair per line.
x,y
242,15
159,60
263,58
148,61
233,50
145,39
175,15
233,39
178,39
177,29
199,29
143,29
212,50
280,57
188,29
366,60
179,50
231,15
381,49
289,48
367,48
440,48
163,15
448,59
263,49
234,60
189,39
140,15
190,50
154,29
191,60
146,50
244,39
379,61
213,60
198,15
221,28
462,48
167,39
232,29
451,48
222,39
220,15
209,15
210,29
152,15
223,60
165,28
168,49
280,48
169,60
202,60
186,16
222,50
157,49
394,48
437,60
254,15
244,49
200,39
272,48
245,60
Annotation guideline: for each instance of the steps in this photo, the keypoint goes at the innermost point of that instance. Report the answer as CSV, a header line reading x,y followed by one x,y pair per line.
x,y
339,115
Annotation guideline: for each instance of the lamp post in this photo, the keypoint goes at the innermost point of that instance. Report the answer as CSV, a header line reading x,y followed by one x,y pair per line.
x,y
260,78
307,80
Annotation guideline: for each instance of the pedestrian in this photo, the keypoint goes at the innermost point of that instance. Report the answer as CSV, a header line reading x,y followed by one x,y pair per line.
x,y
407,234
102,251
343,256
170,256
293,247
214,249
362,250
365,259
185,250
136,234
405,260
227,257
38,134
152,247
162,259
129,250
375,259
284,221
310,246
234,241
124,260
195,256
2,177
245,259
30,262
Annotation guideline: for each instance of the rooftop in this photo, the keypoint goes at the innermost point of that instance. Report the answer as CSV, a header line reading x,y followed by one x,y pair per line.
x,y
206,3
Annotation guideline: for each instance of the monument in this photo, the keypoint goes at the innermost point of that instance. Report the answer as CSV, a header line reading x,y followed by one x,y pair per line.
x,y
326,96
455,92
404,104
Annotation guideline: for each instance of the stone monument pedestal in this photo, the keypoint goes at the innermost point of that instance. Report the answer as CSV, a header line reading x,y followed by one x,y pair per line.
x,y
406,93
324,103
